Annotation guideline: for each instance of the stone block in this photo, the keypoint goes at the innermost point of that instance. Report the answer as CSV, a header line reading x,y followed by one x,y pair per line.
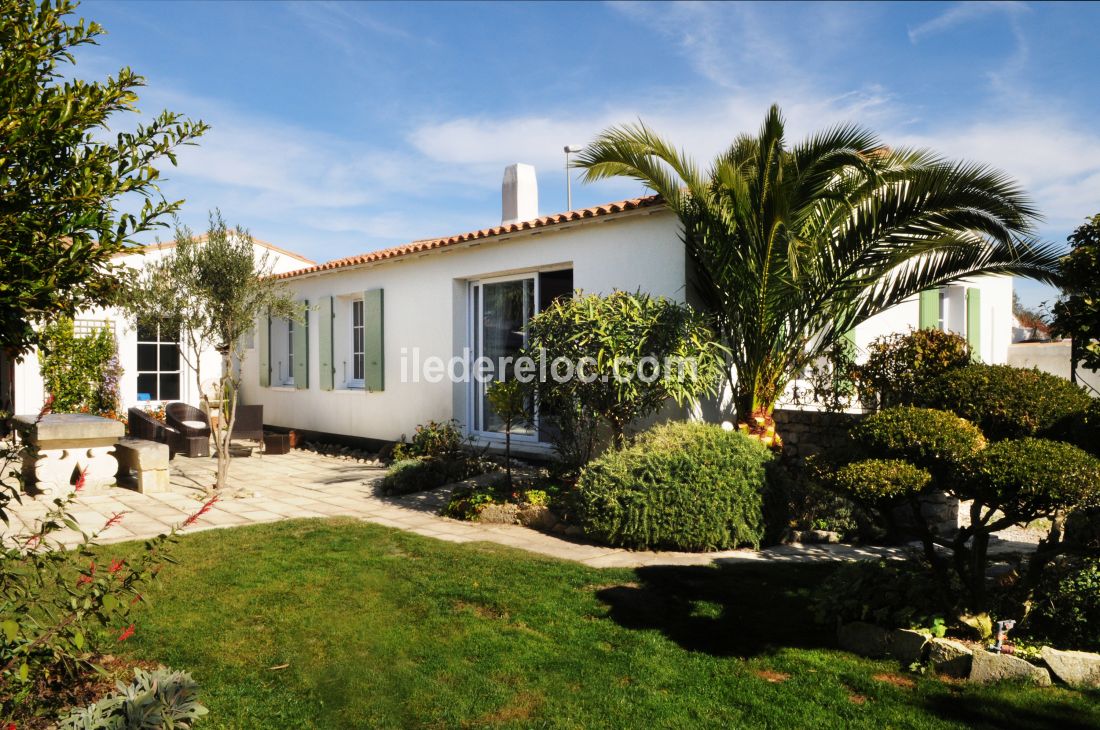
x,y
1078,669
950,658
988,667
907,646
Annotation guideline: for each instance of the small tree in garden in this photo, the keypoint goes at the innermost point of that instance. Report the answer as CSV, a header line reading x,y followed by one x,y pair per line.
x,y
1077,313
81,371
510,399
63,182
212,291
633,354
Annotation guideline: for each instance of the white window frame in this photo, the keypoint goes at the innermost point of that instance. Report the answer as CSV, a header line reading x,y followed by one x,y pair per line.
x,y
289,379
354,382
475,392
159,342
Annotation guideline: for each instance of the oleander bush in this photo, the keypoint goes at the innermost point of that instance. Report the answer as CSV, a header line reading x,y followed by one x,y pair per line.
x,y
680,486
899,366
1007,402
929,438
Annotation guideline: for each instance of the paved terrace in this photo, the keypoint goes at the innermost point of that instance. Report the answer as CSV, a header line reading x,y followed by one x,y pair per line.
x,y
306,484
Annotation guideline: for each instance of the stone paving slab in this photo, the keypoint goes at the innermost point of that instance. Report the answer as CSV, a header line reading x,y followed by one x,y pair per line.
x,y
305,484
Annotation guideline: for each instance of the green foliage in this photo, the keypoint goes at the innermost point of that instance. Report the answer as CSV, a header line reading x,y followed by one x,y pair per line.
x,y
935,440
433,440
793,245
1077,313
416,475
212,290
63,183
159,700
895,594
1066,609
900,366
1007,402
680,486
614,337
60,608
81,373
879,481
1030,478
510,399
796,498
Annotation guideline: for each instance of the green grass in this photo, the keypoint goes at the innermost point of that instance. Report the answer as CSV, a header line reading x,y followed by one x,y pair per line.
x,y
381,628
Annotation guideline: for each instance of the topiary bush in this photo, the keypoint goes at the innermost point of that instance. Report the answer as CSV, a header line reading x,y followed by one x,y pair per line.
x,y
879,481
1066,609
1007,402
680,486
933,439
1031,477
899,366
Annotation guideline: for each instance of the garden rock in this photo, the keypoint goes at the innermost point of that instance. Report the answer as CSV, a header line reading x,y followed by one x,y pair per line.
x,y
864,639
1078,669
538,517
809,537
499,514
907,646
988,667
950,658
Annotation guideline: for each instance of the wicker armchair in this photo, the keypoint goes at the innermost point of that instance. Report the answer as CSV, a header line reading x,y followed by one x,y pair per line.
x,y
193,427
144,426
248,423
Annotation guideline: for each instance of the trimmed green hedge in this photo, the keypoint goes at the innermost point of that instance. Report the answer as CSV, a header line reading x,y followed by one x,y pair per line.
x,y
680,486
1007,402
899,366
930,438
1033,475
879,480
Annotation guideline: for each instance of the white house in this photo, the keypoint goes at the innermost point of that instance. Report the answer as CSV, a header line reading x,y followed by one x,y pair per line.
x,y
356,368
153,371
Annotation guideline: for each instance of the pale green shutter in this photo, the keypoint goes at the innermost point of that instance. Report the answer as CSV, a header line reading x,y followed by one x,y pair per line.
x,y
324,343
263,350
974,322
373,340
301,349
930,309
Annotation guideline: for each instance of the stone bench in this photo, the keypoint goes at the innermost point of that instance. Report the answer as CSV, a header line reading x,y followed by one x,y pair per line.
x,y
148,460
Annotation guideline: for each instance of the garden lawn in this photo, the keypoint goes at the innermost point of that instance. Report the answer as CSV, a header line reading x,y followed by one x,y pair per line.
x,y
343,624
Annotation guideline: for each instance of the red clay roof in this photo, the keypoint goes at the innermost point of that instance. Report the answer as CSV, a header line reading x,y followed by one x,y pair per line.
x,y
431,244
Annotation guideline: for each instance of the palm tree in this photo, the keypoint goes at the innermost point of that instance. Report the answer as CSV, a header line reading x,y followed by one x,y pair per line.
x,y
792,247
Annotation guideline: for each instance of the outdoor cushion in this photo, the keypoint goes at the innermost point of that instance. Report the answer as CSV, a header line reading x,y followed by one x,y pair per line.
x,y
193,424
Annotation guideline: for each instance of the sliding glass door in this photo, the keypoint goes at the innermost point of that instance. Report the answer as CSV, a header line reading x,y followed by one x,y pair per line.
x,y
500,310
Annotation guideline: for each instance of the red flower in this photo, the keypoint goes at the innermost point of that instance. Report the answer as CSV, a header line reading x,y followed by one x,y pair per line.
x,y
80,480
83,579
202,510
115,519
116,565
126,633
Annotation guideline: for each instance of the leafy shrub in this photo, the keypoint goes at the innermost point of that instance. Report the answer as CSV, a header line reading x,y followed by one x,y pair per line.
x,y
1030,477
1083,430
680,486
895,594
161,699
879,480
81,372
1007,402
795,498
434,440
1066,610
899,366
936,440
415,475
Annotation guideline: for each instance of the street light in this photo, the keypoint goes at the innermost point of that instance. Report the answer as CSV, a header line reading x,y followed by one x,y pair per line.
x,y
570,149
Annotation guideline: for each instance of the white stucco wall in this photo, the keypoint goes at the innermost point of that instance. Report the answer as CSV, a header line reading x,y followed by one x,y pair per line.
x,y
426,308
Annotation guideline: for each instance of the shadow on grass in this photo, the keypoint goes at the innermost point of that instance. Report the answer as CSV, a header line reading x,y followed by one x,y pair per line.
x,y
1002,707
725,610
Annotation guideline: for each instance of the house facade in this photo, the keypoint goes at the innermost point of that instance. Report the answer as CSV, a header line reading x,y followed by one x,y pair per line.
x,y
153,372
358,364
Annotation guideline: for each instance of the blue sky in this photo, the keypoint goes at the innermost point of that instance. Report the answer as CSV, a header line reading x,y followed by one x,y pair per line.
x,y
339,128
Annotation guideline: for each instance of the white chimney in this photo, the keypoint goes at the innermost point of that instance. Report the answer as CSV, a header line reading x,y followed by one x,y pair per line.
x,y
519,194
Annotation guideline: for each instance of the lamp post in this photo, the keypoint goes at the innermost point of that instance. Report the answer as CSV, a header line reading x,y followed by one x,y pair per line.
x,y
569,149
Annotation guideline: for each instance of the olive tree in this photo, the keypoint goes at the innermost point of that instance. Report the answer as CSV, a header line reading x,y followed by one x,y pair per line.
x,y
212,290
64,183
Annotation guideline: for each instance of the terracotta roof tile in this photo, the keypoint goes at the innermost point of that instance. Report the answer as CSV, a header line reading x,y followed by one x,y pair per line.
x,y
432,244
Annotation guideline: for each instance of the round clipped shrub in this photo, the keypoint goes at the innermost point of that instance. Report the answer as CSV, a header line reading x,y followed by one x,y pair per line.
x,y
934,439
1007,402
414,475
879,480
1066,609
899,366
680,486
1083,430
1033,476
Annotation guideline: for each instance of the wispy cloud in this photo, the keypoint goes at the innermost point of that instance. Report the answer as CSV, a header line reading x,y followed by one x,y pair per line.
x,y
963,13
